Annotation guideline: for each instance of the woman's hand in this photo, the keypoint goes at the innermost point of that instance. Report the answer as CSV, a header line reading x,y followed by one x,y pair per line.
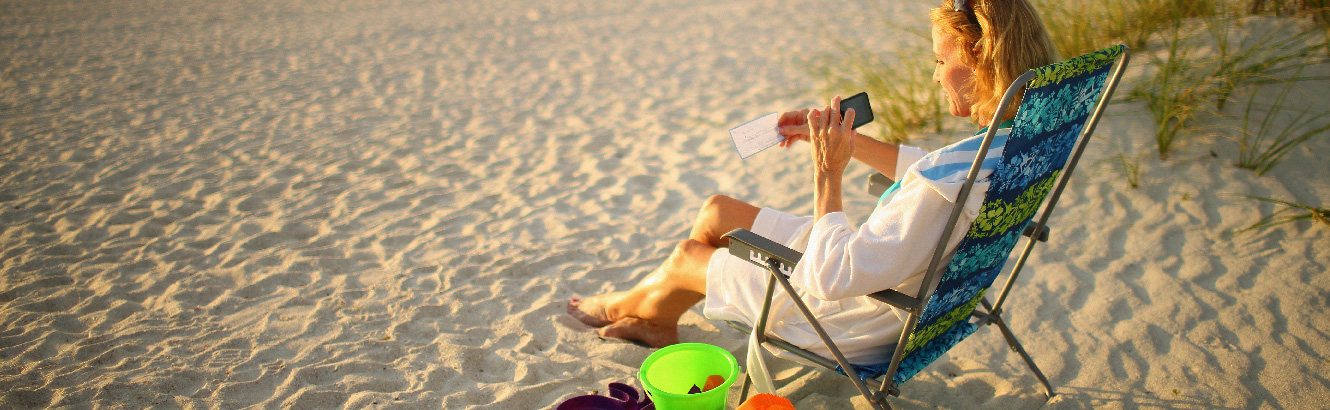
x,y
832,138
793,125
833,146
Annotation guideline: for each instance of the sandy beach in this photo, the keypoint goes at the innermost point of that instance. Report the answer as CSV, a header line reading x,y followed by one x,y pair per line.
x,y
386,204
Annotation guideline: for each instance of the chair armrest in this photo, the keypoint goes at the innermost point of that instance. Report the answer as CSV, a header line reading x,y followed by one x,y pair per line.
x,y
878,183
897,299
756,249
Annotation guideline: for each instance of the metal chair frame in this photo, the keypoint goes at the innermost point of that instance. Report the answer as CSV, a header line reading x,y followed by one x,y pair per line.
x,y
779,260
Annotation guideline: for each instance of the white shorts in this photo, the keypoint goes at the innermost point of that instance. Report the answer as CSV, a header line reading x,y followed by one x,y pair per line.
x,y
736,288
735,284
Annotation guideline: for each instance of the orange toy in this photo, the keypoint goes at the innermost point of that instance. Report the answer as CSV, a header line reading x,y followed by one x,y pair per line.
x,y
714,381
764,401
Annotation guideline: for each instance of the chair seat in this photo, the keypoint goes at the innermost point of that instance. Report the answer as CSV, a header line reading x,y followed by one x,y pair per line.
x,y
866,372
912,364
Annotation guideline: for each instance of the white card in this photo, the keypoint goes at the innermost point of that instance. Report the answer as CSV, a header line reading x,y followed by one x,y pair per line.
x,y
754,136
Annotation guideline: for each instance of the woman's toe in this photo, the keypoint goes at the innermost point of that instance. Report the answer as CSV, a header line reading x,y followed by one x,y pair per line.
x,y
575,309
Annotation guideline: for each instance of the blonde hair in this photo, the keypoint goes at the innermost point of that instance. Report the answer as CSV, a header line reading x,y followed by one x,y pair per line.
x,y
1009,40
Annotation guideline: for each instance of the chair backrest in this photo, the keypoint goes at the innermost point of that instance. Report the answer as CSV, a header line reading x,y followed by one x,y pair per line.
x,y
1056,106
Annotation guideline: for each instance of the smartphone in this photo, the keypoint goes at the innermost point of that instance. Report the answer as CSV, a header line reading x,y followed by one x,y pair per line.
x,y
863,112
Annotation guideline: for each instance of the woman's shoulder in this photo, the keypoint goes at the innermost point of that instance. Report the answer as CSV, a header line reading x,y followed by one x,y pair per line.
x,y
953,161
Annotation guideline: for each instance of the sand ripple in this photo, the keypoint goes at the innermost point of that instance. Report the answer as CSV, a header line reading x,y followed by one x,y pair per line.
x,y
373,204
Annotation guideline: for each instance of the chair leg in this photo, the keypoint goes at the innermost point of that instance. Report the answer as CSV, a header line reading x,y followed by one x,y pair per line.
x,y
774,268
748,382
761,331
1016,347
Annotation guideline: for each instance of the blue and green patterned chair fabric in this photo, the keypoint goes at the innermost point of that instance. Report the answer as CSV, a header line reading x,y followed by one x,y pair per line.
x,y
1052,112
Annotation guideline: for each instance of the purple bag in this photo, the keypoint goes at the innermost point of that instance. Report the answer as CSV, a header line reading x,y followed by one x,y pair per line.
x,y
622,397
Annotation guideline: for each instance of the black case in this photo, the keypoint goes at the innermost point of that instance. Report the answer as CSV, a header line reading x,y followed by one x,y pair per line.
x,y
863,111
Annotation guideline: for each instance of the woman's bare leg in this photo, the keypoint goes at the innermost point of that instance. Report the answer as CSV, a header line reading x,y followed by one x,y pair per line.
x,y
720,215
650,311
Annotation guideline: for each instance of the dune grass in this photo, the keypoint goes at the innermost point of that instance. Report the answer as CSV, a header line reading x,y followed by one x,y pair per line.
x,y
1263,147
1279,56
1175,94
1194,71
1186,81
1288,213
1272,56
905,99
1082,26
1131,168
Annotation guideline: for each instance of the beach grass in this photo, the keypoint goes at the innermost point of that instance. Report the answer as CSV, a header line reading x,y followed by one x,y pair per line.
x,y
1288,213
1275,132
1189,76
1130,168
905,99
1193,71
1271,56
899,82
1085,26
1175,94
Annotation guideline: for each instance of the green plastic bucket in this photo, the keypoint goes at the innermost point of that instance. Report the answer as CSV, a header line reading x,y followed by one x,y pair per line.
x,y
670,372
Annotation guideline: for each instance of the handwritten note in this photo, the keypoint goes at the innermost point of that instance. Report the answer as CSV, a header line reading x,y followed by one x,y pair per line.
x,y
754,136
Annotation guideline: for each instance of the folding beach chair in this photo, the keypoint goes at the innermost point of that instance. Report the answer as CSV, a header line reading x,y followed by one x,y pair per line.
x,y
1059,110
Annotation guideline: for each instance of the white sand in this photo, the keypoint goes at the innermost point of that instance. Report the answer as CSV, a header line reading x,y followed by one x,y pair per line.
x,y
343,204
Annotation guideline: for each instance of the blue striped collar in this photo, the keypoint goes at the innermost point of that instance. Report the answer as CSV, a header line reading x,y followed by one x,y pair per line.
x,y
961,157
955,159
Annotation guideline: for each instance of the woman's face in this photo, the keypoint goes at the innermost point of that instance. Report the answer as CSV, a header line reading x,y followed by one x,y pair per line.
x,y
957,79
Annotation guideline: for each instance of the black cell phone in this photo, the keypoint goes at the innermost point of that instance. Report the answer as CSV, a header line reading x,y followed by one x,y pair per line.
x,y
863,112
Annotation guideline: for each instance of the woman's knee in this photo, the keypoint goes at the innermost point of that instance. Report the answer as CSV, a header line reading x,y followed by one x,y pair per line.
x,y
719,215
693,250
688,264
714,207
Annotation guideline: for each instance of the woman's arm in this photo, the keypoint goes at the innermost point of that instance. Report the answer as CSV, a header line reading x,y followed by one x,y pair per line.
x,y
833,146
881,156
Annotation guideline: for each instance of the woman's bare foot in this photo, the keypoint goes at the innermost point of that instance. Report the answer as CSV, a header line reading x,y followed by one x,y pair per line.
x,y
640,330
590,312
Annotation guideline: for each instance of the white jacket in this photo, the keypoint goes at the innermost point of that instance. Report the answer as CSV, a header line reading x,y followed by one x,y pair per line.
x,y
892,249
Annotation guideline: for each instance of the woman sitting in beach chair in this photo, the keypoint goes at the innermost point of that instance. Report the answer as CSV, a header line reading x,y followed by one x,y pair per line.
x,y
980,50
